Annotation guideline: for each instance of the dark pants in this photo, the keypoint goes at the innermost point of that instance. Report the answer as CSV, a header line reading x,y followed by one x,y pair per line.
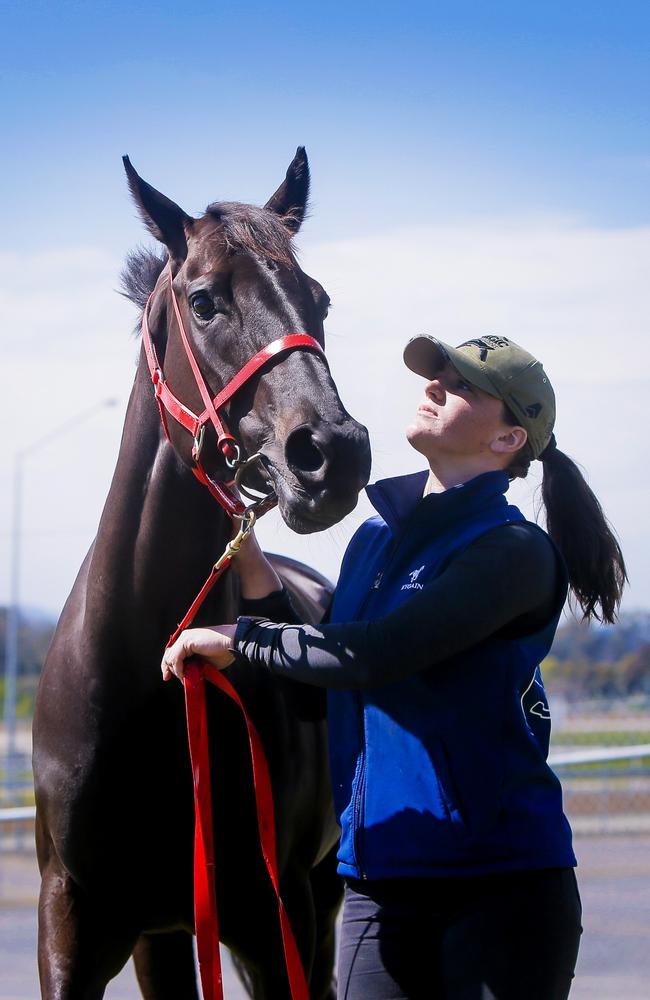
x,y
508,936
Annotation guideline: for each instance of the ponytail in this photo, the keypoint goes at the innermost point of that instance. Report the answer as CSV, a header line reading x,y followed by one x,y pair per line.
x,y
576,523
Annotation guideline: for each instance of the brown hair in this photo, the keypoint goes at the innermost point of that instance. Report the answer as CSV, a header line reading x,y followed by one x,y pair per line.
x,y
577,524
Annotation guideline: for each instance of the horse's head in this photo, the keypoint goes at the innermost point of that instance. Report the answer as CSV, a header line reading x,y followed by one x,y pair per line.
x,y
239,287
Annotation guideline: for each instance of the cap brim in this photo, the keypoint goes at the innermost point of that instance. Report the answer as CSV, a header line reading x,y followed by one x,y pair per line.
x,y
426,355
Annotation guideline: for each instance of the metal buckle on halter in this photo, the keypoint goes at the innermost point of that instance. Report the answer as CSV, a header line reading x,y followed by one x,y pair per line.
x,y
198,442
157,378
259,500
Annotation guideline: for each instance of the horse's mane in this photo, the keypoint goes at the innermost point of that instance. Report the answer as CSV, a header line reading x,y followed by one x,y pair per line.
x,y
242,228
140,273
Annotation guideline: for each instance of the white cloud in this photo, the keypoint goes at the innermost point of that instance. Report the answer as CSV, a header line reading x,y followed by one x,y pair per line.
x,y
563,290
66,345
575,296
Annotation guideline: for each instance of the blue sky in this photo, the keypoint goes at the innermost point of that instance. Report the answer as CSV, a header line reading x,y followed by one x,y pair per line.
x,y
431,111
476,167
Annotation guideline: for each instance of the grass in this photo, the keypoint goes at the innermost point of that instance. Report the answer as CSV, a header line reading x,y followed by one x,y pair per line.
x,y
599,738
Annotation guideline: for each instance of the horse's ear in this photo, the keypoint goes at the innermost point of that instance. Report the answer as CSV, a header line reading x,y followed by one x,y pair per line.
x,y
162,217
290,200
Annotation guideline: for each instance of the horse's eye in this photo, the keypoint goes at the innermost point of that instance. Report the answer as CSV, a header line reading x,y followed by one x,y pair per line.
x,y
202,305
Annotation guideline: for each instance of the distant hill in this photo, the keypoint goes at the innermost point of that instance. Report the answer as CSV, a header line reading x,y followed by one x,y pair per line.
x,y
35,631
602,643
602,661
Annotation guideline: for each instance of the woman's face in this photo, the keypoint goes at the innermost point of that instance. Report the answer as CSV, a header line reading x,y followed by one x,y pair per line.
x,y
456,420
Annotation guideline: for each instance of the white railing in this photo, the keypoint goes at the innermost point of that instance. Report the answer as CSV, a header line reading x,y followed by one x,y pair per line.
x,y
598,755
557,758
17,813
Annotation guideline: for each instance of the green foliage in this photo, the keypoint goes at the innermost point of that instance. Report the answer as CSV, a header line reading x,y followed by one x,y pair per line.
x,y
595,661
601,737
34,636
602,643
35,633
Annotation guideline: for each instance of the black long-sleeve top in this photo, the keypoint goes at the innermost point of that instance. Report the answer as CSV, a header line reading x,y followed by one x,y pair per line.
x,y
505,583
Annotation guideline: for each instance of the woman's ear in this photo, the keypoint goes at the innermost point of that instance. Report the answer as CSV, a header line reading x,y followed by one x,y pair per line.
x,y
509,441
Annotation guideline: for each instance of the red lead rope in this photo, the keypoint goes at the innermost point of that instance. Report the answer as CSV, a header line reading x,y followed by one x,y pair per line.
x,y
205,900
205,904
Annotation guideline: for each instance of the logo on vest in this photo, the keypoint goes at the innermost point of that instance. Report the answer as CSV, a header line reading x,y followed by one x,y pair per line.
x,y
533,700
414,585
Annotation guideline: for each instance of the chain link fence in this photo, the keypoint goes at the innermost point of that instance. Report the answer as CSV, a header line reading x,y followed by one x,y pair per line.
x,y
601,752
603,761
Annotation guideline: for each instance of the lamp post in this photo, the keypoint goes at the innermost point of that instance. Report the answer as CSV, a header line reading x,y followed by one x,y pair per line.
x,y
13,608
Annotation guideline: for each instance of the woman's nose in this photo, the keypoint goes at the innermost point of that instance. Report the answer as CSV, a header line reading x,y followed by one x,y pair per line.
x,y
435,390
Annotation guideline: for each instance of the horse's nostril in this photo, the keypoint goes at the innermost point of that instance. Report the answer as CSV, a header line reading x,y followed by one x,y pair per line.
x,y
301,451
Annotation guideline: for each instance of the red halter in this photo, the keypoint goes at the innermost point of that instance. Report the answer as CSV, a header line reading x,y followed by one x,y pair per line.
x,y
169,403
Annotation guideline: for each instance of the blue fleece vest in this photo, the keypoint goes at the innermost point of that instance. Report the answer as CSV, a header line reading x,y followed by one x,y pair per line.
x,y
443,773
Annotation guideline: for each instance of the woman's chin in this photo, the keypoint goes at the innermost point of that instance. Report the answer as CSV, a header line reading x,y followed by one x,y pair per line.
x,y
418,438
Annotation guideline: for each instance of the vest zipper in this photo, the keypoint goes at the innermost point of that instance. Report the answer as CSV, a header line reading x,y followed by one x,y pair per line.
x,y
358,810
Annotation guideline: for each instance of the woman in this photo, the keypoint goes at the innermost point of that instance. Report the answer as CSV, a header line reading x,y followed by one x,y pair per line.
x,y
456,854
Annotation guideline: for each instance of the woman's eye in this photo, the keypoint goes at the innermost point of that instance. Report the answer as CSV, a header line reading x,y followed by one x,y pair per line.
x,y
462,384
202,305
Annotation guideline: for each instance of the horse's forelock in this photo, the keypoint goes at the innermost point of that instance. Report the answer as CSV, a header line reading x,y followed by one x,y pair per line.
x,y
253,230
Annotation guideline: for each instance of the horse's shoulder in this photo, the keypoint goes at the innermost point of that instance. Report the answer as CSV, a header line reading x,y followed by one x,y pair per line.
x,y
310,591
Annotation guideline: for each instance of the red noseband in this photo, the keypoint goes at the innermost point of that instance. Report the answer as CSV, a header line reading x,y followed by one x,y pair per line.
x,y
168,403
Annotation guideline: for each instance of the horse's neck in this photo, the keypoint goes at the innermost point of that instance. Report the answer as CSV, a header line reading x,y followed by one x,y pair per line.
x,y
160,530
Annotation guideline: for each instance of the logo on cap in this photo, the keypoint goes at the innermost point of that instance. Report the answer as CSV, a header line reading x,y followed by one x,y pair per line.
x,y
486,344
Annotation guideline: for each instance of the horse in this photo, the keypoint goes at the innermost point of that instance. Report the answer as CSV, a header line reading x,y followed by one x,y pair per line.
x,y
114,803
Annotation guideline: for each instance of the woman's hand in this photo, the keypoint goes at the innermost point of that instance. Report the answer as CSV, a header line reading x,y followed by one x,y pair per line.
x,y
213,644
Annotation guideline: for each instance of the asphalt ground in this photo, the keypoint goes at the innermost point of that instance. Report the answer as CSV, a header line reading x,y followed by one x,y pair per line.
x,y
614,962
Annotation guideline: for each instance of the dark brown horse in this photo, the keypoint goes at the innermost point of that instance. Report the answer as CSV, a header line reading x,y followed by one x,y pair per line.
x,y
113,783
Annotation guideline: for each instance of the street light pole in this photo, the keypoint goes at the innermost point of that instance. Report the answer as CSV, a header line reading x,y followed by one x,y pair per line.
x,y
13,609
11,624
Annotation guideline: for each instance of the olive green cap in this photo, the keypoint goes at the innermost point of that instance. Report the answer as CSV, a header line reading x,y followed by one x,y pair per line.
x,y
501,368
